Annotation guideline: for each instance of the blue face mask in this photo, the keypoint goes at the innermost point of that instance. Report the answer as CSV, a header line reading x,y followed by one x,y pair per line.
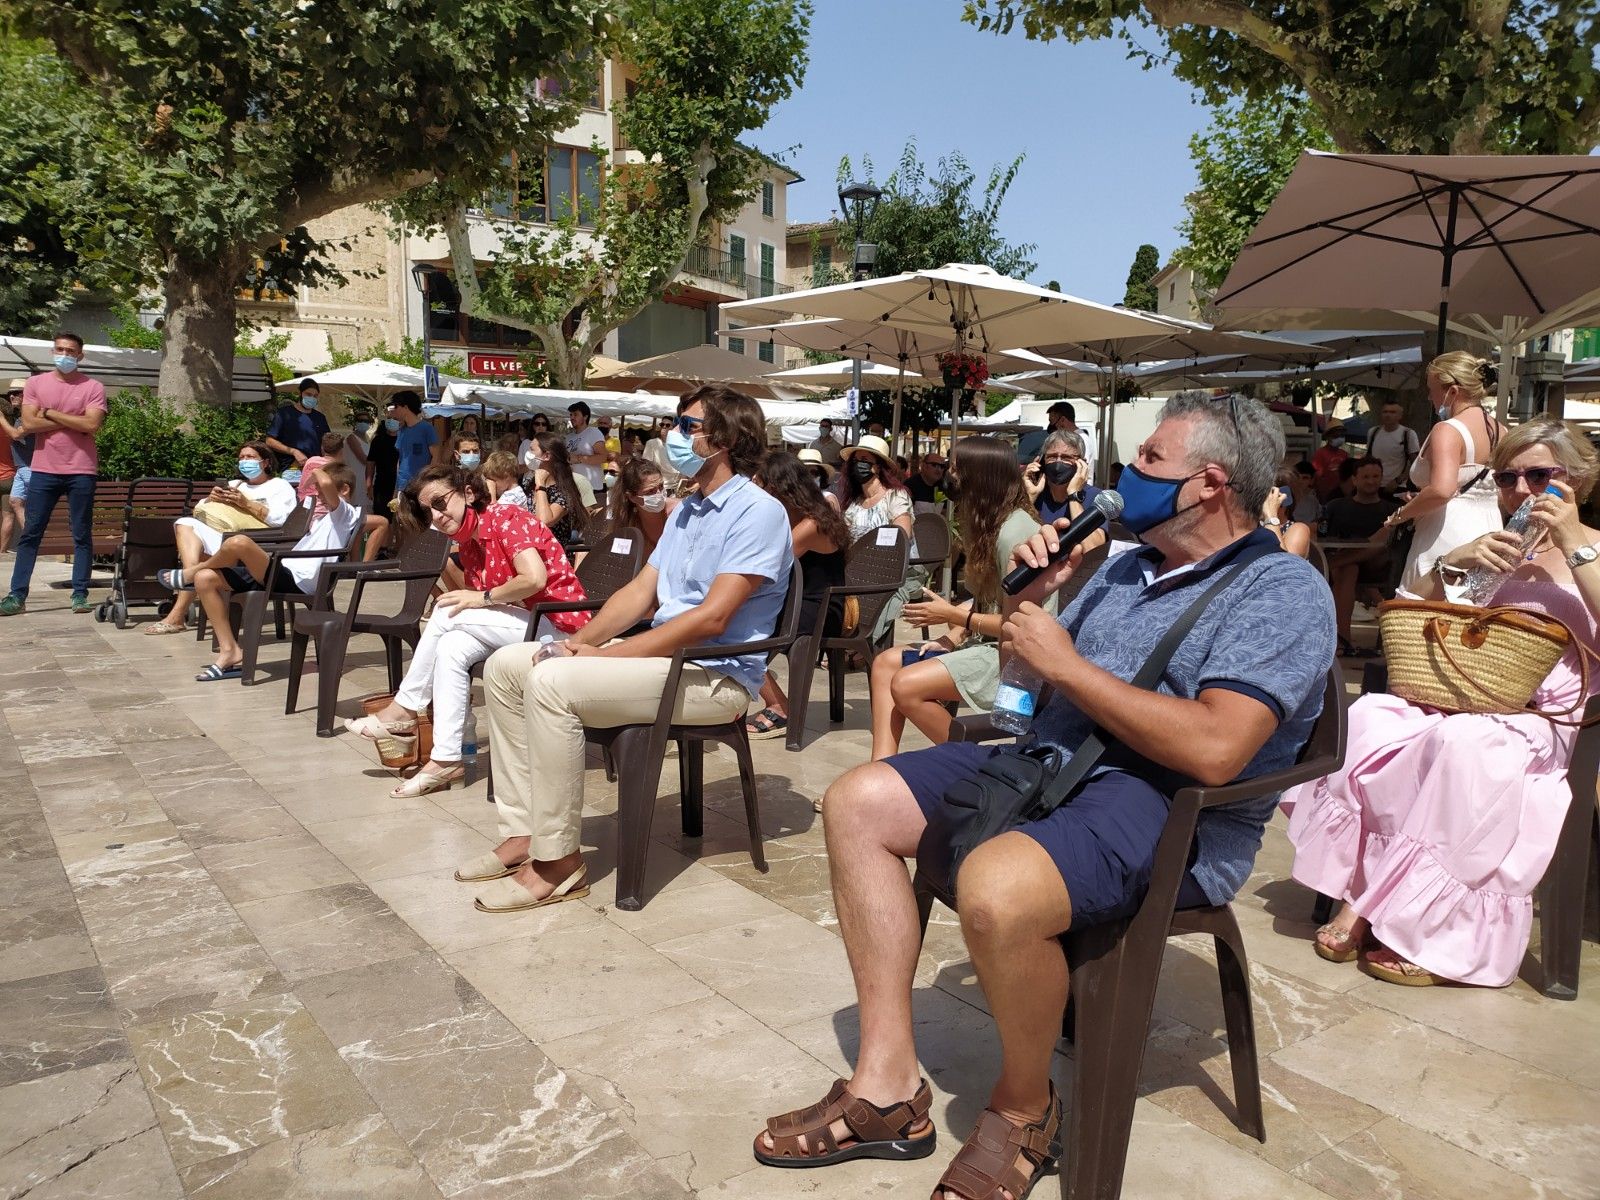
x,y
249,468
680,453
307,400
469,461
361,427
66,363
1148,500
391,424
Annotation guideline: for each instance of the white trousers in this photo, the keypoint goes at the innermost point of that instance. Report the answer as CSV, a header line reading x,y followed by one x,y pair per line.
x,y
440,670
536,721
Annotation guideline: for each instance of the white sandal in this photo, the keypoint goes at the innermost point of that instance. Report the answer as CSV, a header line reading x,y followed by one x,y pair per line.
x,y
424,782
370,727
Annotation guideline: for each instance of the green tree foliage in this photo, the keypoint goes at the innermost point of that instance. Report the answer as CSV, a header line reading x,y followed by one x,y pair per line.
x,y
1385,76
708,73
1141,293
927,220
64,222
145,435
1241,161
240,121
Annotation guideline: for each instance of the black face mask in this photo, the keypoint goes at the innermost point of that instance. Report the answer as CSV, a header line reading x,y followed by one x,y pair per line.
x,y
1060,473
951,487
862,469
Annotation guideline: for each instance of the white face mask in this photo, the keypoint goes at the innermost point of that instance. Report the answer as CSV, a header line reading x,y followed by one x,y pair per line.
x,y
532,461
652,501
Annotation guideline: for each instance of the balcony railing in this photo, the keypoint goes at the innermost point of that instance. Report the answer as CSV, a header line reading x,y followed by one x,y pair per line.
x,y
724,268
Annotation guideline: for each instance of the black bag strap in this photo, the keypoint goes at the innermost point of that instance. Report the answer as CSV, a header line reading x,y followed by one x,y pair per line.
x,y
1088,755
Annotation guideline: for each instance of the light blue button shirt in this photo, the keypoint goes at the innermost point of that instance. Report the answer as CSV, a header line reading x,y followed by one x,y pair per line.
x,y
737,530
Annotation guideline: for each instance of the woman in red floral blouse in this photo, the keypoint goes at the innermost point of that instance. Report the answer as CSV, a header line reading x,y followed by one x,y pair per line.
x,y
510,561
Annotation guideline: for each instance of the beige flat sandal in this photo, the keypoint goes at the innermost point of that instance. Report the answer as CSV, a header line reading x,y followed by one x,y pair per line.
x,y
507,895
485,867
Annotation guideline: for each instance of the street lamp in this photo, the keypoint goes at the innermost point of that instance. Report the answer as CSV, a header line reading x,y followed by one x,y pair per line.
x,y
857,203
422,273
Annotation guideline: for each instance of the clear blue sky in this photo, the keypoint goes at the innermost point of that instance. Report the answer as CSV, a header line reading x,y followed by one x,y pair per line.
x,y
1107,162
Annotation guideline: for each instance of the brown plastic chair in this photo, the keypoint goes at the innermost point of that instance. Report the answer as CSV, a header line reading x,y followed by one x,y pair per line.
x,y
284,536
1564,890
614,563
638,752
931,532
1115,968
415,568
147,546
873,573
252,606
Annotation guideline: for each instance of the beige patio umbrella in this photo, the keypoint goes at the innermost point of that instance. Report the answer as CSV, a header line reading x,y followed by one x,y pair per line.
x,y
980,310
681,371
1502,248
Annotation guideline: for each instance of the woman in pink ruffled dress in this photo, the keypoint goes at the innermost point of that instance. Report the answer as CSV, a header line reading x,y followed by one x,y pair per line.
x,y
1439,826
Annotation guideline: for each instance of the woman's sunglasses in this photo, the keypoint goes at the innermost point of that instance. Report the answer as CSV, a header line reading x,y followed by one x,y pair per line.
x,y
1537,477
441,503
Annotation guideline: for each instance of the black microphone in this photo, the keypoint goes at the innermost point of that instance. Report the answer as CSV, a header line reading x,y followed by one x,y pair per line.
x,y
1107,507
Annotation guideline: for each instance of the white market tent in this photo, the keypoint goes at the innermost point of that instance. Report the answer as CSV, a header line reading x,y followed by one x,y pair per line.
x,y
553,403
374,380
116,367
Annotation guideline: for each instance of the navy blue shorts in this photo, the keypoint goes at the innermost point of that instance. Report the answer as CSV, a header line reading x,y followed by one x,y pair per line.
x,y
239,579
1102,840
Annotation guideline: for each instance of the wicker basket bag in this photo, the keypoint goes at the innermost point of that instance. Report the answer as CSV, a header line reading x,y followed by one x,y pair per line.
x,y
1462,659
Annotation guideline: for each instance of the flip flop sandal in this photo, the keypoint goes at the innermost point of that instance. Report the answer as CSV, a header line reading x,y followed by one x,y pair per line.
x,y
804,1137
486,867
172,580
215,674
1388,966
507,895
1341,949
765,725
987,1161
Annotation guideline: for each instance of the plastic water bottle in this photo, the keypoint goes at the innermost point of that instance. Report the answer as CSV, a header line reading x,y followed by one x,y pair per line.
x,y
1015,698
547,647
469,740
1483,582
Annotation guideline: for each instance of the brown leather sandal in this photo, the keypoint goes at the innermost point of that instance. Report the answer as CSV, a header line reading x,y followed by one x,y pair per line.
x,y
985,1167
877,1132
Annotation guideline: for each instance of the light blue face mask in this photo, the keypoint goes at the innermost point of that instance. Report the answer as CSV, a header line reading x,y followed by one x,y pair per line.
x,y
308,400
249,468
66,363
680,453
469,461
391,424
361,427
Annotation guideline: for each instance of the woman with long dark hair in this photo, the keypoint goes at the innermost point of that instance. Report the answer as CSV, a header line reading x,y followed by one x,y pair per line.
x,y
820,540
555,494
509,562
640,501
993,514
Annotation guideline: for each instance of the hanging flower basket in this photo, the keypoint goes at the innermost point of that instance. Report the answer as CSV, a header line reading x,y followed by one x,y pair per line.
x,y
967,372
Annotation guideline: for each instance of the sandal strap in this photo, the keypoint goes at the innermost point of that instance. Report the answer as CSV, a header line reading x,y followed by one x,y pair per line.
x,y
814,1122
986,1164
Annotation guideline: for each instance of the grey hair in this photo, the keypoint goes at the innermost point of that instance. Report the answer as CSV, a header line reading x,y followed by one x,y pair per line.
x,y
1069,438
1251,455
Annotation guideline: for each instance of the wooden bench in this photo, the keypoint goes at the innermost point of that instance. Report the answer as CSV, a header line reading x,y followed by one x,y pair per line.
x,y
111,501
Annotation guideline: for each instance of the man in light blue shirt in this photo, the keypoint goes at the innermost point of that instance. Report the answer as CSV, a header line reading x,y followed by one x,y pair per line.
x,y
718,576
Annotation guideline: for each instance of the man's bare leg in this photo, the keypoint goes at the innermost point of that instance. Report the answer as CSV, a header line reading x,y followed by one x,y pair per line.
x,y
873,825
1014,905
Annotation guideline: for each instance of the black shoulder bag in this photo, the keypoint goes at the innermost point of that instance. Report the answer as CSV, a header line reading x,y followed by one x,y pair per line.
x,y
1019,785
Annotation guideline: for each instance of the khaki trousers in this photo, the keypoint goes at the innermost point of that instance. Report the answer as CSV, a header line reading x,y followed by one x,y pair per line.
x,y
536,721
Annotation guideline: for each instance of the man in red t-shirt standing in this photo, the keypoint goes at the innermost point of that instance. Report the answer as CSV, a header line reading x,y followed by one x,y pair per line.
x,y
64,410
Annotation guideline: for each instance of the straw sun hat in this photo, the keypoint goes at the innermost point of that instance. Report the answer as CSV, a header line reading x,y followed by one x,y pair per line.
x,y
870,445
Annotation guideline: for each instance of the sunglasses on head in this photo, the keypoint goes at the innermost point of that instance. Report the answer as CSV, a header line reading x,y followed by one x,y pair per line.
x,y
1537,477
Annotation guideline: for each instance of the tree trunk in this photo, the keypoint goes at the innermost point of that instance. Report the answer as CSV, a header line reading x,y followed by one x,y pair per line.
x,y
198,333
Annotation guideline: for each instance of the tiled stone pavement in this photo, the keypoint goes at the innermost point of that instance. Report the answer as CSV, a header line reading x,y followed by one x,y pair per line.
x,y
230,966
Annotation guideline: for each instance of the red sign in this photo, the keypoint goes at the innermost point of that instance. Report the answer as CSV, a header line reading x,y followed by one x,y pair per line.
x,y
494,365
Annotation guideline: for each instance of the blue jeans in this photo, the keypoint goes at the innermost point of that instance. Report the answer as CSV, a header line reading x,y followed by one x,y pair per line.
x,y
44,489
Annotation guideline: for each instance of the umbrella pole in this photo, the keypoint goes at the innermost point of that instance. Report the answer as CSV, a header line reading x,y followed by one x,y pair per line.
x,y
1109,435
899,385
1449,266
1508,360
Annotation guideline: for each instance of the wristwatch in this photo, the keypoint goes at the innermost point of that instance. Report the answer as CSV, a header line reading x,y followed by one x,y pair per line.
x,y
1581,556
488,599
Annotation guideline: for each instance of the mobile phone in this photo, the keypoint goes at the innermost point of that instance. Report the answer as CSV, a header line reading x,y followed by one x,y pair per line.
x,y
907,657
